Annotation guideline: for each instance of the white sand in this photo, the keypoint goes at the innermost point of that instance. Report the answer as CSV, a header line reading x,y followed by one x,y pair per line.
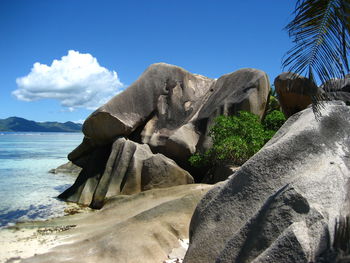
x,y
17,244
126,222
31,238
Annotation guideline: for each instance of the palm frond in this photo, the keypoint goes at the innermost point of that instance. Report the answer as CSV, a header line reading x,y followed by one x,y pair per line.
x,y
320,31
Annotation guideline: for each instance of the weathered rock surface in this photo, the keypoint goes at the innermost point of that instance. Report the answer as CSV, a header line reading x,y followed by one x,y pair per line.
x,y
282,204
167,109
171,91
144,227
131,168
294,92
164,108
93,168
338,89
245,89
67,168
80,154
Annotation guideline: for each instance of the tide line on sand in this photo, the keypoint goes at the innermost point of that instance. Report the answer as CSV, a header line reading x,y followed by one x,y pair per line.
x,y
27,239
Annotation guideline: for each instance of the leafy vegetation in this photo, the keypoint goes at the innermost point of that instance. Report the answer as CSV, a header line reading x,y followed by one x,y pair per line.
x,y
274,104
237,138
274,120
320,31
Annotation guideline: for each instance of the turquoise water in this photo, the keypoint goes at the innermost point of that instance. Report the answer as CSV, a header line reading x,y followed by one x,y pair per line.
x,y
27,190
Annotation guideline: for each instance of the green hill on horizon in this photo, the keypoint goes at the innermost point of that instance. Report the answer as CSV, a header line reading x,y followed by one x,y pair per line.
x,y
16,124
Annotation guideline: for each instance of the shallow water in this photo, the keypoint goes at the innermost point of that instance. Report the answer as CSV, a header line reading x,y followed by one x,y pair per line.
x,y
27,190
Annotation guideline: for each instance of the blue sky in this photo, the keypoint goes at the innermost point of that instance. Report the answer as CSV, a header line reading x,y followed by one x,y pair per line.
x,y
112,42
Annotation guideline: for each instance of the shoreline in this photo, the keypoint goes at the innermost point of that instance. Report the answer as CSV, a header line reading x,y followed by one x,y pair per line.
x,y
18,243
29,239
26,239
153,224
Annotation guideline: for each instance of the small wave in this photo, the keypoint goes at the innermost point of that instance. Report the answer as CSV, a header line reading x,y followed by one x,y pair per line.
x,y
40,133
25,158
37,213
20,134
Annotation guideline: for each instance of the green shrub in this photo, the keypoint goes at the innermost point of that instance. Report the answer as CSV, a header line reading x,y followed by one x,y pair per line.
x,y
274,120
273,104
237,138
199,160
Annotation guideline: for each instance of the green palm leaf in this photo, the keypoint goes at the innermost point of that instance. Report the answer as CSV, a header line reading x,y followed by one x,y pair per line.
x,y
320,31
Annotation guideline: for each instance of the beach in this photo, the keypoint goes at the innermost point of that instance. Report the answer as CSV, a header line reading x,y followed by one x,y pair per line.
x,y
145,226
29,192
27,239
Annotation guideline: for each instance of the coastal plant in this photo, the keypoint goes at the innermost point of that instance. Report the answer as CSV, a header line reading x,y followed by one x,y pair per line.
x,y
237,138
199,159
274,103
320,31
234,138
274,120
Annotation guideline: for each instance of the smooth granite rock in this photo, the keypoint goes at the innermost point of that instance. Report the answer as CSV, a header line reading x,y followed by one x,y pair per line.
x,y
169,110
294,92
144,227
338,89
130,168
176,133
170,91
245,89
281,205
165,107
94,165
67,168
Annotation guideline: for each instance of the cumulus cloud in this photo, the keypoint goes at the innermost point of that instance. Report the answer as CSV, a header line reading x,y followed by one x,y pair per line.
x,y
76,80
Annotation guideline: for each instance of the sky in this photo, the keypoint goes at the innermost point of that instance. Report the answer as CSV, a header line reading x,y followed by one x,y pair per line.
x,y
62,59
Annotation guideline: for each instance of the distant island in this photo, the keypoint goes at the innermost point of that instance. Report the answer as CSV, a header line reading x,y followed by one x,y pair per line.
x,y
16,124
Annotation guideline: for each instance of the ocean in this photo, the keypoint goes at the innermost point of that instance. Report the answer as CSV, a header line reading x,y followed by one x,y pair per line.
x,y
27,190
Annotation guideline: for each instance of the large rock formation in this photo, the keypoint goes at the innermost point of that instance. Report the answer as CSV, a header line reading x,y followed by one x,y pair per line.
x,y
131,168
168,109
282,204
338,89
144,227
294,92
165,92
245,89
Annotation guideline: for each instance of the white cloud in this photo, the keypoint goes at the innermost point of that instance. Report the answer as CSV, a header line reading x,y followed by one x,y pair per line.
x,y
76,80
